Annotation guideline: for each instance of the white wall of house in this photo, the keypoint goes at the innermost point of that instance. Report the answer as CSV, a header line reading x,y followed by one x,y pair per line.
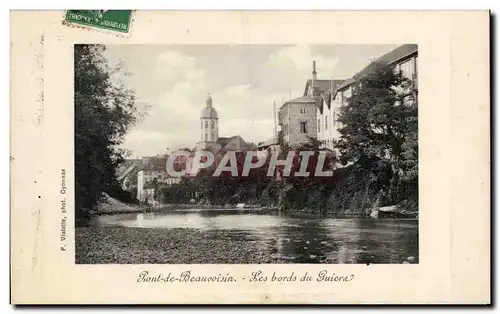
x,y
327,122
140,186
144,176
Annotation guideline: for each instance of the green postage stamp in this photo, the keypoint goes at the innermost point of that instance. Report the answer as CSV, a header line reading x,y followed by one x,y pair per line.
x,y
110,20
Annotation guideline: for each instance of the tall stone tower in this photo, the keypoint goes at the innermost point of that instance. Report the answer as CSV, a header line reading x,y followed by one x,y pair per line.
x,y
209,124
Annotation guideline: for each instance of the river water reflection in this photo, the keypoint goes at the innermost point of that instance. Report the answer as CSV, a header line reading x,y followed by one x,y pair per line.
x,y
298,240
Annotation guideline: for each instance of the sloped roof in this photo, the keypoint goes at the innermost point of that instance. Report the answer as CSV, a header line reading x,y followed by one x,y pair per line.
x,y
389,58
347,83
128,166
154,164
125,173
209,113
236,143
323,85
327,98
223,141
269,142
301,100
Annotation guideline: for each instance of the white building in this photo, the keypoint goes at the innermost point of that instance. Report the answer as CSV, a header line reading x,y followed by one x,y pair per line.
x,y
404,59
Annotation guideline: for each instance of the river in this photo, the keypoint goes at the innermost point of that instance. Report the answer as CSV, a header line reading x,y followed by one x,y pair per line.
x,y
300,240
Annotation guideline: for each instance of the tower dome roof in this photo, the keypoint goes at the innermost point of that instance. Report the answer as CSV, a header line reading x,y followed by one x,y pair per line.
x,y
209,113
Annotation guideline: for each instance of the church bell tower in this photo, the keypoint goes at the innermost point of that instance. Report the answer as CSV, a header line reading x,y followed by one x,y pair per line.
x,y
209,123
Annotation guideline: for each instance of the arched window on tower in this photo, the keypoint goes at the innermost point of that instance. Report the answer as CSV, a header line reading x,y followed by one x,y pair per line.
x,y
206,124
206,136
201,124
213,124
213,136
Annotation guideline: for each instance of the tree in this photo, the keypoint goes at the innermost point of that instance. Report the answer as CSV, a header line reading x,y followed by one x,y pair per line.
x,y
380,125
104,112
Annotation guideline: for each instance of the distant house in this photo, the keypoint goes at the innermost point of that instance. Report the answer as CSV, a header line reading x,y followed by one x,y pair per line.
x,y
403,59
152,176
127,173
271,144
145,176
297,118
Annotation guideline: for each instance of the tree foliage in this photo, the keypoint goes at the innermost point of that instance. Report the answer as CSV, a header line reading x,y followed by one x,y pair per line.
x,y
104,112
380,125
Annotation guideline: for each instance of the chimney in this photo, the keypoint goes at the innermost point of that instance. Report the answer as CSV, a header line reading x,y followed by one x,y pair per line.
x,y
314,78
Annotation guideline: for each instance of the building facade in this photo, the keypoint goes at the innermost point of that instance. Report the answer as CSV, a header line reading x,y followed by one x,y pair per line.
x,y
403,59
150,175
297,118
311,114
326,109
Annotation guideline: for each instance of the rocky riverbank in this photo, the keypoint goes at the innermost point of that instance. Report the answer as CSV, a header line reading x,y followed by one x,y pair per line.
x,y
164,246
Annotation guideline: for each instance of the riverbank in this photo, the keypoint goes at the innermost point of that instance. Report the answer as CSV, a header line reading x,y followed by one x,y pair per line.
x,y
164,246
110,206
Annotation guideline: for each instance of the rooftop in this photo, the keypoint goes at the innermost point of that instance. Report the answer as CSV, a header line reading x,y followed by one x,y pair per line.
x,y
322,86
299,100
389,58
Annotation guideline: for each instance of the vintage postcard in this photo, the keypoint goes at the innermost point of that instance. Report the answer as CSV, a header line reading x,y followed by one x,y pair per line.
x,y
250,157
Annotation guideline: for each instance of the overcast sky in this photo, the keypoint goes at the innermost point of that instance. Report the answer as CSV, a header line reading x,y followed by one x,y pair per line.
x,y
173,81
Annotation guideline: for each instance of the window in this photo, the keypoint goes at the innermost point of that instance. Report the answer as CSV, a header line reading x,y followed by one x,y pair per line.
x,y
202,124
206,124
303,127
407,69
302,110
319,125
213,136
206,136
213,125
334,118
326,122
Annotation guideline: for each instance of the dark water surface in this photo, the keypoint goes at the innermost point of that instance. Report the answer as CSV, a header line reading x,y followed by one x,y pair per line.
x,y
299,240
